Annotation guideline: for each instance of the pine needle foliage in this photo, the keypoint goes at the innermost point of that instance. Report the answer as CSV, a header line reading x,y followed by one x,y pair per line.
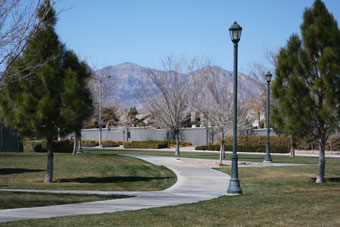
x,y
47,100
307,84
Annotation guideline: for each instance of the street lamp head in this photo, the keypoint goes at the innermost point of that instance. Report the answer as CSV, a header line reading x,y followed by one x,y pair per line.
x,y
235,32
268,77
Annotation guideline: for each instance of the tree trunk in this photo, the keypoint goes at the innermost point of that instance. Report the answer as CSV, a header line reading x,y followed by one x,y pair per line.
x,y
168,138
177,142
59,138
292,150
222,153
207,136
212,135
74,145
49,171
322,162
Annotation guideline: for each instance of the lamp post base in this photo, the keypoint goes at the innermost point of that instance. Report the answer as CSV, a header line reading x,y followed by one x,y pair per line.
x,y
234,183
234,187
267,160
268,157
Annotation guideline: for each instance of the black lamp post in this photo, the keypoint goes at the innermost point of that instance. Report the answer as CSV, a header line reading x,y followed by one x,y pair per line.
x,y
234,183
268,158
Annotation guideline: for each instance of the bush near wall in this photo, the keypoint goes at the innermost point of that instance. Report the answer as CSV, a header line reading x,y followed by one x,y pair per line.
x,y
210,147
34,145
278,144
277,141
303,144
41,146
94,143
181,143
118,142
110,144
246,148
90,144
152,144
89,141
65,146
335,143
257,140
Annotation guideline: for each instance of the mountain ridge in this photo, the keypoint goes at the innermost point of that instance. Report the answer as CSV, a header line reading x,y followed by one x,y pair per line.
x,y
130,76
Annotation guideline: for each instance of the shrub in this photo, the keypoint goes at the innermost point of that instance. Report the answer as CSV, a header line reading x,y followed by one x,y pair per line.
x,y
90,144
34,146
65,146
187,144
119,142
110,144
106,141
278,144
181,143
245,148
200,148
152,144
304,144
41,146
257,140
210,147
335,143
89,141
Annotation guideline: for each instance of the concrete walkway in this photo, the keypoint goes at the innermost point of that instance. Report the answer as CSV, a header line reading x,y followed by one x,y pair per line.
x,y
194,183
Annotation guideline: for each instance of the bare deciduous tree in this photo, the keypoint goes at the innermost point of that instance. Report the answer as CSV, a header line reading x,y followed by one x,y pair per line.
x,y
166,95
216,103
19,23
257,103
257,106
101,86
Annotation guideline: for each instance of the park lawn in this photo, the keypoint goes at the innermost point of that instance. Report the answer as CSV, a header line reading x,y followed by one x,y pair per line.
x,y
10,200
87,171
273,196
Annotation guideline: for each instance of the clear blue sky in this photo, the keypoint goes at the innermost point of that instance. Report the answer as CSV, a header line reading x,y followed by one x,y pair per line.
x,y
110,32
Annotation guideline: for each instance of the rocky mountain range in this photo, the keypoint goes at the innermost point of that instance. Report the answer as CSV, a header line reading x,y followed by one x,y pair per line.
x,y
129,77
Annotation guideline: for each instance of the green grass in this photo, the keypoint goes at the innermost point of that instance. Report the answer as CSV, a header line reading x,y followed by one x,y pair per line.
x,y
87,171
10,200
273,196
158,153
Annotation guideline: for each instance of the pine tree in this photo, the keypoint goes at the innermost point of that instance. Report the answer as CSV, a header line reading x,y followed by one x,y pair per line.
x,y
76,96
307,81
38,102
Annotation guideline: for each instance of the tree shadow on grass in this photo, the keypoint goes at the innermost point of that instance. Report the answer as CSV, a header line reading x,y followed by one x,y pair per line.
x,y
329,179
104,180
333,179
6,171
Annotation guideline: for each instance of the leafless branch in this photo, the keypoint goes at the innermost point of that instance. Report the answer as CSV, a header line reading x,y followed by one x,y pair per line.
x,y
166,95
19,23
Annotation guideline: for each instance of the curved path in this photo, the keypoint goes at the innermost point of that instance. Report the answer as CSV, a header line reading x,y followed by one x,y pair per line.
x,y
194,183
